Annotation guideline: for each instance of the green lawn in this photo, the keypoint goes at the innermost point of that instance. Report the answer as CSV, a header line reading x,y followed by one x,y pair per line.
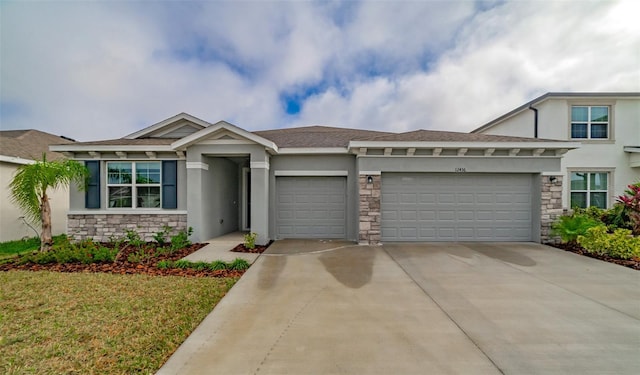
x,y
94,323
19,246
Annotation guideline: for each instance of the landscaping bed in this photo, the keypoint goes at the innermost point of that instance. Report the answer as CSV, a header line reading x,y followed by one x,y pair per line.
x,y
257,249
128,255
124,267
577,249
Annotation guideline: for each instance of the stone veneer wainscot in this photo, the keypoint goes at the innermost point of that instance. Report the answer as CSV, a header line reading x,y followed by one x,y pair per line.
x,y
103,227
369,226
550,207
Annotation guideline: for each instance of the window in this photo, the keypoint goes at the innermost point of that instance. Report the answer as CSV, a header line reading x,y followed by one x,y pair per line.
x,y
589,122
589,189
126,192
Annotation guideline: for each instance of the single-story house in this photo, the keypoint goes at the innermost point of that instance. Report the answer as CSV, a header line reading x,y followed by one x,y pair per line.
x,y
20,147
317,182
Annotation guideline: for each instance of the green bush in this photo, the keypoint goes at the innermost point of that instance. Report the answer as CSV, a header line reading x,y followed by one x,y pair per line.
x,y
239,264
161,236
570,227
250,240
181,240
619,244
64,251
218,265
617,217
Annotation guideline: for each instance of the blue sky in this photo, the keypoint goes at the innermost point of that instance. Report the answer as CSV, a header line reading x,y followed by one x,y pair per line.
x,y
101,70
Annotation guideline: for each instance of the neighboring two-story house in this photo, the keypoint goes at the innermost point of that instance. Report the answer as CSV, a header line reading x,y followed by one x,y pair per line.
x,y
606,124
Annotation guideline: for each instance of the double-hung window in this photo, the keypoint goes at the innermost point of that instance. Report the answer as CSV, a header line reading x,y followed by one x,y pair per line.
x,y
589,189
589,122
134,184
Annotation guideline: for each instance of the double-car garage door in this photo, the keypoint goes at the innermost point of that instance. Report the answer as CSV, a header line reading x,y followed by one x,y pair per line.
x,y
414,207
311,207
456,207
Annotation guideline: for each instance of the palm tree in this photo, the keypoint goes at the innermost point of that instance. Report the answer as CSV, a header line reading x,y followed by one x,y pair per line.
x,y
29,190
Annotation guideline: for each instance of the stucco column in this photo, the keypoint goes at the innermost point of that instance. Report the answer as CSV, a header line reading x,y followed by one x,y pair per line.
x,y
260,197
195,218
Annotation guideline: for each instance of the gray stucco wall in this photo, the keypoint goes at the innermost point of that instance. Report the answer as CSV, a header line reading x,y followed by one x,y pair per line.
x,y
301,163
219,198
494,164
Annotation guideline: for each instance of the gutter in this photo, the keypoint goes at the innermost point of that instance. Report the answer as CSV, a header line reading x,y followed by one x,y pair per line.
x,y
535,120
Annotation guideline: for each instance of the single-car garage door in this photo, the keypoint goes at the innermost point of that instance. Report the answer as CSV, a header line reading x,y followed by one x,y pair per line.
x,y
456,207
311,207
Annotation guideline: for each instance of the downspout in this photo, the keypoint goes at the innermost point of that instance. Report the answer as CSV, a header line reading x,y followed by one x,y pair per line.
x,y
535,121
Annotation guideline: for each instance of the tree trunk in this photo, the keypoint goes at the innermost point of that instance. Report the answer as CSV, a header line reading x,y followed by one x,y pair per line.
x,y
46,239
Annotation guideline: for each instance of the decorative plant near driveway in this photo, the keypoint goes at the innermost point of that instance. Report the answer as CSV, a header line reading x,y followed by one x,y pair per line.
x,y
570,227
631,201
250,240
30,185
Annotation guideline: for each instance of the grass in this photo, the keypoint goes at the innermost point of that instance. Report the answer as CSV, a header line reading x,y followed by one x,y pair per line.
x,y
94,323
10,248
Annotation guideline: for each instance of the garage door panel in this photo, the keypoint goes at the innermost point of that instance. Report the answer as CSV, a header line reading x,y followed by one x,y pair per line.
x,y
456,207
310,207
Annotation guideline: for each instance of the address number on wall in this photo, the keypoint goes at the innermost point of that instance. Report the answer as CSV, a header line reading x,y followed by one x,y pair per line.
x,y
460,170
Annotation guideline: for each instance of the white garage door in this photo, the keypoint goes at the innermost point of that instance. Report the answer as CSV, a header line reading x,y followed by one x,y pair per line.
x,y
311,207
456,207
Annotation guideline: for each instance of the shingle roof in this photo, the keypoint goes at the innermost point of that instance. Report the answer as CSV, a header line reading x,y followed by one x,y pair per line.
x,y
317,136
130,142
30,144
326,136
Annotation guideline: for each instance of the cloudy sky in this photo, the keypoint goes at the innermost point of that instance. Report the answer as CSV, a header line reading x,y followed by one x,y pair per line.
x,y
100,70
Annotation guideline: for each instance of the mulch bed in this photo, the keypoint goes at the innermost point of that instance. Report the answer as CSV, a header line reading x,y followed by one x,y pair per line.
x,y
124,267
575,248
256,250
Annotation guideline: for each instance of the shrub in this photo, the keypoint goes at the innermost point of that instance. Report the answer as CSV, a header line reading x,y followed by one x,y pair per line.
x,y
619,244
218,265
164,264
161,236
239,264
133,238
250,240
617,217
631,200
183,264
181,240
570,227
140,256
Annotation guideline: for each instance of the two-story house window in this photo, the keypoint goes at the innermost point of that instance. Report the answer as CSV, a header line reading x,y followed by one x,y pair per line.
x,y
589,122
589,189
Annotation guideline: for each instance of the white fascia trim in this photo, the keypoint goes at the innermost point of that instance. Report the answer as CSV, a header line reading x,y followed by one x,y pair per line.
x,y
195,137
370,173
169,121
259,165
283,173
469,145
197,165
313,150
111,148
16,160
127,212
633,149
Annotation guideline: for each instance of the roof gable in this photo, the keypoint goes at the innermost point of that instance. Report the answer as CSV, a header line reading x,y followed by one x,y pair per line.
x,y
178,126
554,95
223,132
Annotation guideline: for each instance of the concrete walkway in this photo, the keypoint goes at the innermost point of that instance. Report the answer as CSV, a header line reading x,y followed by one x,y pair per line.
x,y
420,309
219,248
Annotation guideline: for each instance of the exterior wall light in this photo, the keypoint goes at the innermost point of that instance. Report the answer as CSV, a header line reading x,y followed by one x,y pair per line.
x,y
369,179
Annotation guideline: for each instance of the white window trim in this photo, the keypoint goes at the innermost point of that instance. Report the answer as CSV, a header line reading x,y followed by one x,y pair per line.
x,y
593,103
610,183
133,185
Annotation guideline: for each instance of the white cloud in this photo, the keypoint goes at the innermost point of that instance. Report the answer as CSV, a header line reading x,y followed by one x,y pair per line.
x,y
103,70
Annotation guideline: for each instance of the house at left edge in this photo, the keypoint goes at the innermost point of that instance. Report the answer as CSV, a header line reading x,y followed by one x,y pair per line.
x,y
317,182
21,147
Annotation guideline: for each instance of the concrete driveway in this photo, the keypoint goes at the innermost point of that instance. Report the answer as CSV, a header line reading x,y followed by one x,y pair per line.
x,y
314,307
